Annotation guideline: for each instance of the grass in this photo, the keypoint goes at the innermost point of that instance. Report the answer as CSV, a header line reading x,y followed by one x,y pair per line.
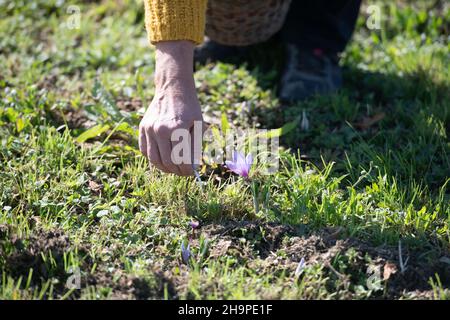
x,y
362,196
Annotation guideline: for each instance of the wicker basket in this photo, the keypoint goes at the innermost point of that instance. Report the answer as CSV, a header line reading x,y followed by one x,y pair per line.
x,y
244,22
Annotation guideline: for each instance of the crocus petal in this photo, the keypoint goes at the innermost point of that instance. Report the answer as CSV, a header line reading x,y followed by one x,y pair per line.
x,y
240,159
185,253
230,164
235,156
240,165
194,224
249,160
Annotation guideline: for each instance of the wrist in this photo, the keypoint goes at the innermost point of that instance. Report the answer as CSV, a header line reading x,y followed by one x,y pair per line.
x,y
174,63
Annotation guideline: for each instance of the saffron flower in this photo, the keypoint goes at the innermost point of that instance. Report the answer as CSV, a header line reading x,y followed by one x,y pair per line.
x,y
240,165
185,252
194,224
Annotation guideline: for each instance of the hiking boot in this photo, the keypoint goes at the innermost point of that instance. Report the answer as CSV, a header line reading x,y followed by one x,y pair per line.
x,y
308,73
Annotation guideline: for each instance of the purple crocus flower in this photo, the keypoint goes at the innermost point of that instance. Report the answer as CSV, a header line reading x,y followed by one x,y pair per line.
x,y
194,224
185,252
240,165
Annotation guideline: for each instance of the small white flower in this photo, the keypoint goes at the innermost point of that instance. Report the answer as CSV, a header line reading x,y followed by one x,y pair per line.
x,y
102,213
300,268
305,122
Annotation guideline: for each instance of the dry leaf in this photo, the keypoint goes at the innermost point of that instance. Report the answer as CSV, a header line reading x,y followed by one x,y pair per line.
x,y
95,187
367,122
389,269
221,248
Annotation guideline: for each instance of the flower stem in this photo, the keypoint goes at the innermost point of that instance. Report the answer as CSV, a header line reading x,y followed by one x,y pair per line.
x,y
255,188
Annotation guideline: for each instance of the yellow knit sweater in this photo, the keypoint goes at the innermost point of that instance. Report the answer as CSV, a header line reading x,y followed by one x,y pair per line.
x,y
175,20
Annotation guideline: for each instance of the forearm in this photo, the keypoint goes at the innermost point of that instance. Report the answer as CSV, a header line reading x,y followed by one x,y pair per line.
x,y
174,66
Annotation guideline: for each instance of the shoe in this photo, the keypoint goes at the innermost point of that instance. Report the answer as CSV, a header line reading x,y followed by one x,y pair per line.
x,y
308,73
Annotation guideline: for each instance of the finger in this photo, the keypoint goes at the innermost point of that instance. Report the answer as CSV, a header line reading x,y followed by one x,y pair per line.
x,y
153,153
185,168
165,150
142,142
196,148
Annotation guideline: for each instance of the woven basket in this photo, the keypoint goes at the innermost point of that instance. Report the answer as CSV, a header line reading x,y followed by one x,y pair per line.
x,y
244,22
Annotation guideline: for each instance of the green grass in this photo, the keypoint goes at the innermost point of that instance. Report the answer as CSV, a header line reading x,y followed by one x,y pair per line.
x,y
349,192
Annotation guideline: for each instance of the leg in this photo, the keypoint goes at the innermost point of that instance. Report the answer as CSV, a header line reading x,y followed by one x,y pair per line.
x,y
315,32
323,24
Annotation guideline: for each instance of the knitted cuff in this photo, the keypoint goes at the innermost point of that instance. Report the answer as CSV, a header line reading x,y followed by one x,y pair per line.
x,y
175,20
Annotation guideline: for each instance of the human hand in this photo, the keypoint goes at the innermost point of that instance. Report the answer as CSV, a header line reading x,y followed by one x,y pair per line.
x,y
174,106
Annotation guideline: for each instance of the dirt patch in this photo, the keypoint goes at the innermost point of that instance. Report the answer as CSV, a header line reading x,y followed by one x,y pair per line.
x,y
129,104
273,249
125,286
43,252
258,239
73,118
265,248
352,261
54,243
78,119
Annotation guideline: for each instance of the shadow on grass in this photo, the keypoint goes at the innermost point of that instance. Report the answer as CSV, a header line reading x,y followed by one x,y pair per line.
x,y
398,122
393,122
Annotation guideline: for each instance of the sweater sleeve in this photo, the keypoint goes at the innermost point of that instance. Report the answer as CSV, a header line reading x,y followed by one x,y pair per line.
x,y
175,20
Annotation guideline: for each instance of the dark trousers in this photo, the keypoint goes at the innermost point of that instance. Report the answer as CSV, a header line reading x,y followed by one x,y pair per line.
x,y
323,24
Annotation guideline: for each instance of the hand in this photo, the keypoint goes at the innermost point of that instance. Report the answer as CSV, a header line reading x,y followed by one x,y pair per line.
x,y
175,106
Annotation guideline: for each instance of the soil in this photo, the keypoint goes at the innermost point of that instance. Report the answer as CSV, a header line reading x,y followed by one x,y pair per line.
x,y
129,104
28,254
34,252
267,248
275,248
